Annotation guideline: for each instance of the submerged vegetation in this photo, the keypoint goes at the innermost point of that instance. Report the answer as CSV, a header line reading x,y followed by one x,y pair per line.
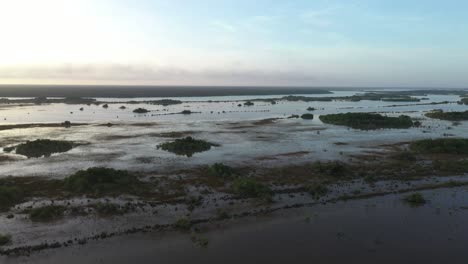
x,y
186,146
42,147
450,116
367,121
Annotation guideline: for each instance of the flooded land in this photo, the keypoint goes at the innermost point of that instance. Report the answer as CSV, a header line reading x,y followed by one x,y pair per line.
x,y
327,176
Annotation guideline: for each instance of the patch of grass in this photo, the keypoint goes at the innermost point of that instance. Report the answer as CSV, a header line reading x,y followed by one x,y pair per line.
x,y
5,239
99,181
9,196
186,146
450,116
367,121
415,199
46,213
221,170
250,188
317,190
307,116
43,147
441,146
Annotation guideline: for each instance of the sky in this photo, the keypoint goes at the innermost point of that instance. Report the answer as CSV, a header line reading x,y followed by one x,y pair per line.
x,y
369,43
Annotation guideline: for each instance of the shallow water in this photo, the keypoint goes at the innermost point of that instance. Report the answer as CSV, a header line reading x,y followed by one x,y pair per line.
x,y
377,230
130,145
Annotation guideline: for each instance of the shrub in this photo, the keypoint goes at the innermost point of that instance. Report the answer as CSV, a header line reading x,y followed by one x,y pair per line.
x,y
367,121
311,109
317,190
183,224
43,147
46,213
415,199
248,103
5,239
99,180
249,187
186,146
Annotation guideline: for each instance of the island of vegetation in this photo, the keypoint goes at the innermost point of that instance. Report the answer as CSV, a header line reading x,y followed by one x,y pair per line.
x,y
186,146
367,121
140,111
307,116
450,116
41,147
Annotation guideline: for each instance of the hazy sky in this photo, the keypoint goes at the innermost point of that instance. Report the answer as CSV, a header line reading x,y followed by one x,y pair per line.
x,y
238,42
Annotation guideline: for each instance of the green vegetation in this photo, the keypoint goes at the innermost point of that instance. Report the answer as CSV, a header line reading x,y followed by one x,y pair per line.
x,y
186,146
450,116
332,168
248,103
9,196
5,239
141,111
367,121
221,170
415,199
464,100
441,146
317,190
183,224
307,116
249,187
186,112
311,109
103,181
46,213
43,147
